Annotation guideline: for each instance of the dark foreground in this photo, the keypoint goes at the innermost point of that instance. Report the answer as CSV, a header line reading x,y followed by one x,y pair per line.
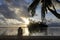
x,y
30,38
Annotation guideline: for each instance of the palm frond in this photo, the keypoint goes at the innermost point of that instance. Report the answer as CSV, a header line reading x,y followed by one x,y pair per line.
x,y
53,10
46,4
43,10
55,13
33,6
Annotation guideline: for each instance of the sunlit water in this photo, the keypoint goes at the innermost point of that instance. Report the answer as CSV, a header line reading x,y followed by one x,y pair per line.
x,y
52,31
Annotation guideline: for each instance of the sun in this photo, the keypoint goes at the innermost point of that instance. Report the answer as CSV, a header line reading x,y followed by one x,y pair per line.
x,y
26,20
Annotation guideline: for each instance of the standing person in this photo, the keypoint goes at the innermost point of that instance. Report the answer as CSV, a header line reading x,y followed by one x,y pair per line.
x,y
19,33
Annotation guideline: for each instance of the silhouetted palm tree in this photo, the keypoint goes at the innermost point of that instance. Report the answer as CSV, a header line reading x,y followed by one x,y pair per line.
x,y
46,4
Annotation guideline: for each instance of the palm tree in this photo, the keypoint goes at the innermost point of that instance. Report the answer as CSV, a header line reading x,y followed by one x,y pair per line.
x,y
46,4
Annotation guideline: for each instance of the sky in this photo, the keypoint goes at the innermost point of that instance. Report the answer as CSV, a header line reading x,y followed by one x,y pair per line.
x,y
20,8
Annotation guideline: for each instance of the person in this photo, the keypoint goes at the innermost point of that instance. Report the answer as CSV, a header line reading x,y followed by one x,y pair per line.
x,y
19,33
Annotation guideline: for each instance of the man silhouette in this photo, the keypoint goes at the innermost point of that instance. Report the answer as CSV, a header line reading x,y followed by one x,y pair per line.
x,y
19,33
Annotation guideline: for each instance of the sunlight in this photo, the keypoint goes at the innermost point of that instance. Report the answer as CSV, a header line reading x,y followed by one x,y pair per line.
x,y
25,29
26,20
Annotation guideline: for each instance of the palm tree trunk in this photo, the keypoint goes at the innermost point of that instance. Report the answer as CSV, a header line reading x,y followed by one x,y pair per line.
x,y
42,13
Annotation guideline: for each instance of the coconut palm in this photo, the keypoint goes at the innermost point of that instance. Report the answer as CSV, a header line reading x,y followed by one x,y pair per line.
x,y
46,4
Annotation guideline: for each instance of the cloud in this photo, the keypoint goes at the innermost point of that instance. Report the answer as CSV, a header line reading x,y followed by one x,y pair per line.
x,y
19,6
56,4
14,9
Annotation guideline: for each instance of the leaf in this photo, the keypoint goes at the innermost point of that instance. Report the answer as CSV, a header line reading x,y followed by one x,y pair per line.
x,y
55,13
33,6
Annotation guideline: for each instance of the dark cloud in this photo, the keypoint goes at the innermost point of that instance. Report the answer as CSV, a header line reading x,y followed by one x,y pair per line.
x,y
7,12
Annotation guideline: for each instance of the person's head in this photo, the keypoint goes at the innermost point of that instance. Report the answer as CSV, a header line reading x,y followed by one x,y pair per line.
x,y
19,31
